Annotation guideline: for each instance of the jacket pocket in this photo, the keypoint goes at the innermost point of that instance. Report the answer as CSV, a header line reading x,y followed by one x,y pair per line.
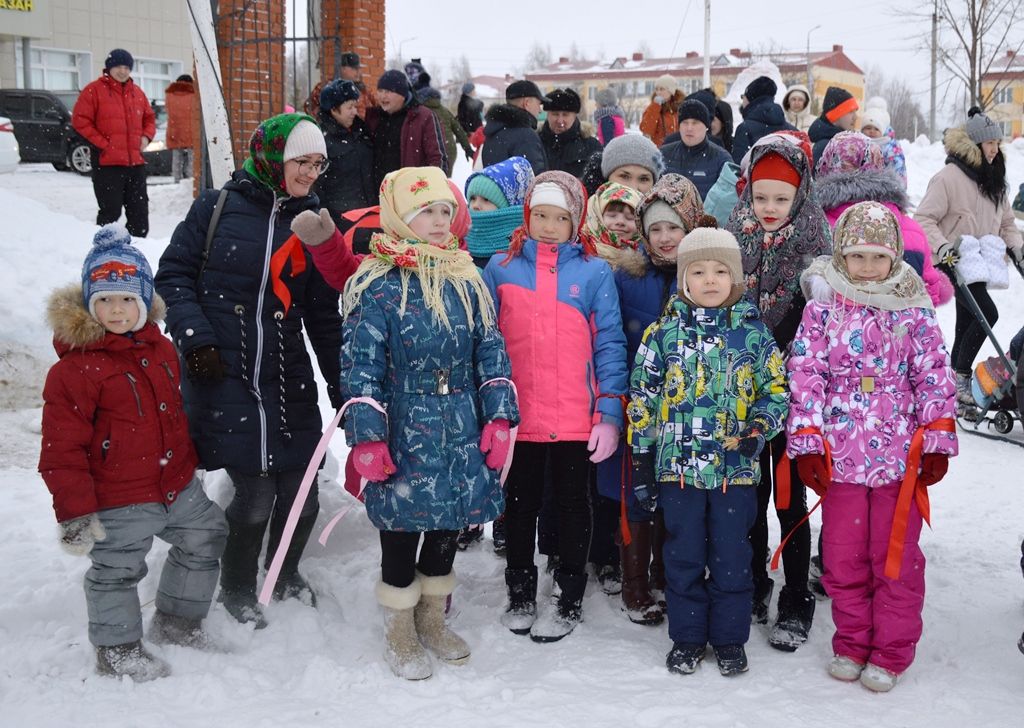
x,y
133,382
591,396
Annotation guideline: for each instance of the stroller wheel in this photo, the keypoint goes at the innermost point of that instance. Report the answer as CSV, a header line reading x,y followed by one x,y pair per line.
x,y
1003,422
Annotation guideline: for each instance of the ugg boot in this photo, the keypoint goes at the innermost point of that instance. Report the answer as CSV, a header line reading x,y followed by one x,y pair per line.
x,y
131,660
793,623
658,559
521,612
429,618
290,584
403,651
567,610
238,568
637,600
170,629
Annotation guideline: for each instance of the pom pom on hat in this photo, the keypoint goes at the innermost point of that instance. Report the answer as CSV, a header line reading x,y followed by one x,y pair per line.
x,y
980,128
116,267
305,138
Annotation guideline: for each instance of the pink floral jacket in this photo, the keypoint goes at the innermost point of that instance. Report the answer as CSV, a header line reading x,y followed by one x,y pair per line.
x,y
867,379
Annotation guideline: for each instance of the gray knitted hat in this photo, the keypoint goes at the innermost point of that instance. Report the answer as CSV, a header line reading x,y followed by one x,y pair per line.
x,y
980,128
632,149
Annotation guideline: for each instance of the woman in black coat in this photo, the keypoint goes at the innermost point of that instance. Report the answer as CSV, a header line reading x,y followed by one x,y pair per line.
x,y
348,182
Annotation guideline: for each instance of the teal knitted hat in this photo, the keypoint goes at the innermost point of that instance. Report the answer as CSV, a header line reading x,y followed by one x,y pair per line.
x,y
483,186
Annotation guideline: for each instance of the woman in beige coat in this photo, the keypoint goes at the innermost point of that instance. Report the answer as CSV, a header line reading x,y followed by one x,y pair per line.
x,y
967,197
797,105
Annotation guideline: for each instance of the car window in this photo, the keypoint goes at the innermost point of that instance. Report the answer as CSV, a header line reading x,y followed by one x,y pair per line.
x,y
15,106
41,105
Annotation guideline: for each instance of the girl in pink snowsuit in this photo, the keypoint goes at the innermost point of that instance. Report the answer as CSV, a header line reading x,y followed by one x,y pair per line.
x,y
873,400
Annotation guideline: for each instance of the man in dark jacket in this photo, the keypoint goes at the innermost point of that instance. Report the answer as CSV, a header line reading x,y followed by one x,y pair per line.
x,y
707,97
693,156
761,116
114,115
471,109
510,129
566,146
838,113
404,133
347,184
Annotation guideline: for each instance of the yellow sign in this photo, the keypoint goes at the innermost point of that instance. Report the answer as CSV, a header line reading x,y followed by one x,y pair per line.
x,y
24,6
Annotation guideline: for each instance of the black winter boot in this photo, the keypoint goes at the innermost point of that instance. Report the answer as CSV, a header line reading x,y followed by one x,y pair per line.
x,y
558,622
521,612
238,567
762,598
732,659
684,658
290,584
793,623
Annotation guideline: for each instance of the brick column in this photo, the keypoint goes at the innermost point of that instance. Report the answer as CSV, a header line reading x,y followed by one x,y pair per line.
x,y
360,24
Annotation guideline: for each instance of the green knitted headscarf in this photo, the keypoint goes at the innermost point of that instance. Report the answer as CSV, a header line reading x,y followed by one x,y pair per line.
x,y
266,150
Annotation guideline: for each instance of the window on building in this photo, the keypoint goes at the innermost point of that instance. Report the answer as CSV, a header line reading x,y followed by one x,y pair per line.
x,y
648,88
155,76
1007,127
591,92
1003,96
55,69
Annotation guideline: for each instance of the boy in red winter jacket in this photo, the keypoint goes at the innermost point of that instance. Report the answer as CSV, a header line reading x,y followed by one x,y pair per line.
x,y
117,457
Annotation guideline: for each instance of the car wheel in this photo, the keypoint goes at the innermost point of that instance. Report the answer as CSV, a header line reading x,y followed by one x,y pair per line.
x,y
80,158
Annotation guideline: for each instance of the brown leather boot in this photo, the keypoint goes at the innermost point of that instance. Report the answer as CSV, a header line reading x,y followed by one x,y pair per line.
x,y
657,558
637,601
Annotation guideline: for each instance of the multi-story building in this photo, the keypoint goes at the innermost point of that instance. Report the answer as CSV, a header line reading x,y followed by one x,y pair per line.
x,y
1004,91
633,78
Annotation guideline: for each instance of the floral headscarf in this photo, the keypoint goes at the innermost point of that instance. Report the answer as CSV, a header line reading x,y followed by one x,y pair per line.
x,y
594,227
266,150
849,151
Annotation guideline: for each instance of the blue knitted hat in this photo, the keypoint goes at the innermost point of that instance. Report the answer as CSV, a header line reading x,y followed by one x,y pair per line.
x,y
119,57
115,266
511,178
336,93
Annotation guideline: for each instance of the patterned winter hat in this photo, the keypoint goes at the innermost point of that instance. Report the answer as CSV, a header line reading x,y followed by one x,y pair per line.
x,y
632,149
980,128
706,243
267,149
849,151
606,194
504,183
115,267
869,227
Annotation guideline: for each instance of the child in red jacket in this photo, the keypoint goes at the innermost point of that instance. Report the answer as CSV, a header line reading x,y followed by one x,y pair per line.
x,y
118,459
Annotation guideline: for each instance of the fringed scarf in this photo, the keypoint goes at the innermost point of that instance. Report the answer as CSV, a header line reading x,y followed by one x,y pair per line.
x,y
608,242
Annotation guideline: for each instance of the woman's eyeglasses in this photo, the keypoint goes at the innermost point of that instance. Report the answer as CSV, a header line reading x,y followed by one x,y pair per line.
x,y
310,167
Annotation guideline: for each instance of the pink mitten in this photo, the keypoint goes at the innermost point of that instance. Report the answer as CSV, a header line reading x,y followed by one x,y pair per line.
x,y
604,438
494,442
373,461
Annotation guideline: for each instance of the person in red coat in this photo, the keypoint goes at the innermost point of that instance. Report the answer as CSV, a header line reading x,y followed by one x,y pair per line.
x,y
180,98
114,115
118,459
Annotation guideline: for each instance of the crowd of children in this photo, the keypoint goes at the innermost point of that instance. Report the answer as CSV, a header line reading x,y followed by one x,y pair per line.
x,y
614,363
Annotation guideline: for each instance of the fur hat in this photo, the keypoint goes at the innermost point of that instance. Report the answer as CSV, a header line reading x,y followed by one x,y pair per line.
x,y
759,87
876,117
118,57
563,99
394,81
504,183
838,102
115,267
980,128
607,97
632,149
706,243
336,93
693,109
668,82
849,151
868,227
305,138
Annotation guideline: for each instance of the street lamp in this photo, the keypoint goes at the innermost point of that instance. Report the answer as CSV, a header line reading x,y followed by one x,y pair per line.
x,y
402,43
810,81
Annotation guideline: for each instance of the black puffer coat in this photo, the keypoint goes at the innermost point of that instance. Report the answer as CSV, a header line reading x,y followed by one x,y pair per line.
x,y
263,416
761,117
509,132
570,150
348,182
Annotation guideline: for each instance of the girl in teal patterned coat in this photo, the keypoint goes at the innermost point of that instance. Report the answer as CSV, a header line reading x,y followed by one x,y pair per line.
x,y
707,390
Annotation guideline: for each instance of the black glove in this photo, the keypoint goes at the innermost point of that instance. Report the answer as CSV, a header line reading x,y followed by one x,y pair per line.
x,y
749,443
205,364
645,484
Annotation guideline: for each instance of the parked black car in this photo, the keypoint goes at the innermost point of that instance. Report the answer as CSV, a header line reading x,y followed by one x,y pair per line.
x,y
42,126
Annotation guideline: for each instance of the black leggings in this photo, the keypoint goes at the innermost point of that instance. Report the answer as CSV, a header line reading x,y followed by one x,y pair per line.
x,y
570,472
796,556
969,334
398,565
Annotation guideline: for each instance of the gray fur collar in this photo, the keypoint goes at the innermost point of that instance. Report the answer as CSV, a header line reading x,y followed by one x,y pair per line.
x,y
877,185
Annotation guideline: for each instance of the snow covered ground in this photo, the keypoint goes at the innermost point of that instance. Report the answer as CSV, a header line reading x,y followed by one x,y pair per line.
x,y
324,667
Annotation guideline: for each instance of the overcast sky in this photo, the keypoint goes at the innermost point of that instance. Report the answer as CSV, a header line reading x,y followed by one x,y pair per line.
x,y
440,31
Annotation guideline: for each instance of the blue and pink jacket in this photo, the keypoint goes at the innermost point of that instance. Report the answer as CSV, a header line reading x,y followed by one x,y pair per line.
x,y
559,313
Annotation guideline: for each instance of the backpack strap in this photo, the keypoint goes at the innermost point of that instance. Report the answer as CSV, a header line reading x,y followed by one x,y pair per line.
x,y
211,230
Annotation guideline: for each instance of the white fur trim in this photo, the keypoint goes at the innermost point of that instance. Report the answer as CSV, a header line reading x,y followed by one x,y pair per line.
x,y
396,597
143,311
437,586
548,193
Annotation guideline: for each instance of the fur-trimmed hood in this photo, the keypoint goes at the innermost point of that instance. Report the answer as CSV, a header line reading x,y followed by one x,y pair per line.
x,y
631,261
74,327
502,116
859,185
958,144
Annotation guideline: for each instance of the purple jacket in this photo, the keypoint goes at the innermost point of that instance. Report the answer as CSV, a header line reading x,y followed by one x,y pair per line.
x,y
867,379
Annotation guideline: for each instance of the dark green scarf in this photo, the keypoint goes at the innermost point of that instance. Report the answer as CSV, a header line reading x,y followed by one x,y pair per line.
x,y
266,150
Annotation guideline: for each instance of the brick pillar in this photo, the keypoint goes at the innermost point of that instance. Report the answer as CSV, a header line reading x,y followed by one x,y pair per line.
x,y
252,68
360,24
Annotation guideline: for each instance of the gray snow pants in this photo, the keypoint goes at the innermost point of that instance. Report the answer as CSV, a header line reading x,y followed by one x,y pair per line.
x,y
197,531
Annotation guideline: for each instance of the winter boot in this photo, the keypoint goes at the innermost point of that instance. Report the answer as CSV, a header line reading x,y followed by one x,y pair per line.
x,y
567,608
814,579
238,567
290,584
845,668
469,536
170,629
684,658
609,577
403,651
966,406
429,618
732,659
637,600
658,560
762,598
793,622
878,679
131,660
521,612
498,536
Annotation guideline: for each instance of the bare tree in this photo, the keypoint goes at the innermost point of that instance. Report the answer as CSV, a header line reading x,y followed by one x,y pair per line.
x,y
537,57
905,114
459,74
645,48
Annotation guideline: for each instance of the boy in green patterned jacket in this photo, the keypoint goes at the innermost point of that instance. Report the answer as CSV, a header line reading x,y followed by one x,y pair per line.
x,y
707,390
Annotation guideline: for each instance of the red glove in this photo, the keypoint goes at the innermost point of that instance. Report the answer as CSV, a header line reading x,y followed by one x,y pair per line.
x,y
813,471
933,468
495,442
373,461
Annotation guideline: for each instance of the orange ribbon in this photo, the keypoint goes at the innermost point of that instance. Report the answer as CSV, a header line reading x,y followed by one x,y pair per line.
x,y
911,489
291,250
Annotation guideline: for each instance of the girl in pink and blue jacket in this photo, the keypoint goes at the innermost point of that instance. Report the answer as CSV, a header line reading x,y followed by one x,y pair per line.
x,y
558,310
871,421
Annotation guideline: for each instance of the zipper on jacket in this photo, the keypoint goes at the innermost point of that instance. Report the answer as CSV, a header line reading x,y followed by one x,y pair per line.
x,y
138,400
170,374
264,466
